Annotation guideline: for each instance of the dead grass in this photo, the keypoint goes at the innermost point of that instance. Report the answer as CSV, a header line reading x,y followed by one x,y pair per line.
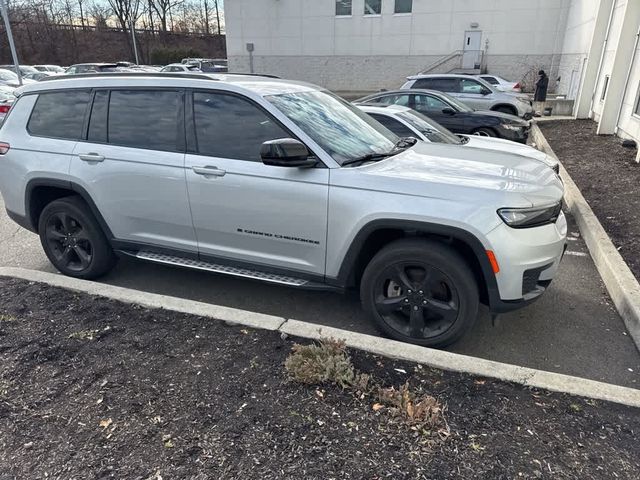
x,y
328,362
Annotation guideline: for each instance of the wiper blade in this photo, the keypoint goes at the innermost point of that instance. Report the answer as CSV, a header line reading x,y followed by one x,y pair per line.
x,y
370,157
402,144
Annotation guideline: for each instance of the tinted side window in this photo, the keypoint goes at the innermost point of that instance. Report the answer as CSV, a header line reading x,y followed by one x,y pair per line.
x,y
144,119
429,103
471,86
394,125
451,85
402,99
231,127
59,114
491,80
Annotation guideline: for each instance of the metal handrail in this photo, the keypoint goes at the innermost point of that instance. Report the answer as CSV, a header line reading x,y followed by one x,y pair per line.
x,y
442,60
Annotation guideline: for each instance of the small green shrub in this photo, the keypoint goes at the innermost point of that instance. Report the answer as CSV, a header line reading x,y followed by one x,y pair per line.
x,y
326,362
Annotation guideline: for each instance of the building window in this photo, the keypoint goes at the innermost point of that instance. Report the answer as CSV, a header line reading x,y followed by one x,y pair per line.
x,y
343,7
403,6
372,7
604,87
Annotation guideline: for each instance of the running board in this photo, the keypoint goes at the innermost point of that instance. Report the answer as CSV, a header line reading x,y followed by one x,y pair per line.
x,y
217,268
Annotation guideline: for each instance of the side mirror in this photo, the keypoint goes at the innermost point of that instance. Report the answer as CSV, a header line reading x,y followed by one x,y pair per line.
x,y
486,92
448,111
286,152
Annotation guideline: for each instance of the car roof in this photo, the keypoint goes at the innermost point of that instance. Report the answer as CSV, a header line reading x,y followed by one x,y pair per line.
x,y
383,109
439,75
404,91
260,85
97,64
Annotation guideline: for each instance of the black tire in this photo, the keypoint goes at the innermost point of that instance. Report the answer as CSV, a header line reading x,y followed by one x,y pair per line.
x,y
73,240
505,109
444,300
485,132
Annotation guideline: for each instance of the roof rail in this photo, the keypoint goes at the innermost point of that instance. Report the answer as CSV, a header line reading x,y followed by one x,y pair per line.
x,y
194,75
199,76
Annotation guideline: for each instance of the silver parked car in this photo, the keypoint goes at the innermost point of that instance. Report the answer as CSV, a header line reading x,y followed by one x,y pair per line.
x,y
282,182
405,122
474,92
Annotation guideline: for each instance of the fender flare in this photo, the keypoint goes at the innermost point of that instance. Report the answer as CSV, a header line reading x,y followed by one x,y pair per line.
x,y
74,188
445,231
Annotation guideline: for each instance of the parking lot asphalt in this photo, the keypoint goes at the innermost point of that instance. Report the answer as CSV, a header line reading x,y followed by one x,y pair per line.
x,y
573,329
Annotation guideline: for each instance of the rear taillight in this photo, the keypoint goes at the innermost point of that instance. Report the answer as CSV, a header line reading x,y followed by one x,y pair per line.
x,y
517,85
4,147
4,108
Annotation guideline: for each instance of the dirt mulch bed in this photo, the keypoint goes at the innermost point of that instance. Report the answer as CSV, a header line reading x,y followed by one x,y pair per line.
x,y
93,388
607,175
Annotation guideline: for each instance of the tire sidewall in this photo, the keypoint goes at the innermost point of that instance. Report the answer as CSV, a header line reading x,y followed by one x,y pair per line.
x,y
103,257
440,257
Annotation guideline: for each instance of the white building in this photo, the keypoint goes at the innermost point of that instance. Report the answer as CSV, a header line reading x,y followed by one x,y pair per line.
x,y
601,50
364,45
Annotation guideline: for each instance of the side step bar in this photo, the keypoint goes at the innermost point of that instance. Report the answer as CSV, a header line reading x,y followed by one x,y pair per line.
x,y
217,268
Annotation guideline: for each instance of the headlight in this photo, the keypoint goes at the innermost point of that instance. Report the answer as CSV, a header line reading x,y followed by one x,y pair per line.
x,y
513,127
530,217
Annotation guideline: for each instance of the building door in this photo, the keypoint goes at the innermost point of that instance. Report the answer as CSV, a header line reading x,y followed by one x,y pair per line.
x,y
472,49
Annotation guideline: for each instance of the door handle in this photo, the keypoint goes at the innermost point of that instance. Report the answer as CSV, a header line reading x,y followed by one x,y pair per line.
x,y
91,157
209,171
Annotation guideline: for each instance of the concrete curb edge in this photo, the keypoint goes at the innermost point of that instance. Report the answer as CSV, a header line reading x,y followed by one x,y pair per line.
x,y
376,345
620,282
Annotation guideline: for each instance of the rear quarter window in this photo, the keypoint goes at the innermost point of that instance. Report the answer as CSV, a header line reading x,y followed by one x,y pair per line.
x,y
59,114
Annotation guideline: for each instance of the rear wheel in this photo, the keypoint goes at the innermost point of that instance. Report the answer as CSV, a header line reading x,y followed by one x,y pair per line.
x,y
73,240
421,292
485,132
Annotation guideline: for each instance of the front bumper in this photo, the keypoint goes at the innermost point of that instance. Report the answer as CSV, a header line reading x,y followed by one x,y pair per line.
x,y
521,135
529,259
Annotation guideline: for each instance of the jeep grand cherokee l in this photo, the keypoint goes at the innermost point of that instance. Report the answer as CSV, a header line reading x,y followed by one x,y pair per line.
x,y
282,182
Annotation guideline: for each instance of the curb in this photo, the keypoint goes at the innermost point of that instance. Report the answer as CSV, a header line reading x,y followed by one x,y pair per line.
x,y
620,282
380,346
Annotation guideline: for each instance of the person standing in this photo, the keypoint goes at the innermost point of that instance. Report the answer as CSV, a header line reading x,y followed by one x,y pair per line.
x,y
540,95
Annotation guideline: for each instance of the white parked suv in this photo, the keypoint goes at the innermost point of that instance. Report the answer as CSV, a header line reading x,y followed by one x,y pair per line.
x,y
282,182
406,122
474,92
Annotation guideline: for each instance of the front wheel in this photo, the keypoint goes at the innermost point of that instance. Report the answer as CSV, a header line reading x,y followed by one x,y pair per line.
x,y
484,132
73,240
420,292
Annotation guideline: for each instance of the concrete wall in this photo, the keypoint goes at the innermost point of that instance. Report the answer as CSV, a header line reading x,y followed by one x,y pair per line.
x,y
580,24
629,121
303,39
609,56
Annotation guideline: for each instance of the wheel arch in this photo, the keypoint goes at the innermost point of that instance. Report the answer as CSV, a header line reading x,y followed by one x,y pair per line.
x,y
40,192
378,233
512,109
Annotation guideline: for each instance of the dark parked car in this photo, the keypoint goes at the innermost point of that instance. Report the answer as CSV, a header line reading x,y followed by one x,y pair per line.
x,y
455,115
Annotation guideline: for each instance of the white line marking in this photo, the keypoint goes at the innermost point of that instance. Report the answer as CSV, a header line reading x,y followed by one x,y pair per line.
x,y
576,254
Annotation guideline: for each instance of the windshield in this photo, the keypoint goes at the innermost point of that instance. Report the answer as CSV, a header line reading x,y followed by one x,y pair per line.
x,y
342,130
429,128
8,76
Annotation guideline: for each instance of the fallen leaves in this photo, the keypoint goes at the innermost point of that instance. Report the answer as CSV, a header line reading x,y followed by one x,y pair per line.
x,y
105,423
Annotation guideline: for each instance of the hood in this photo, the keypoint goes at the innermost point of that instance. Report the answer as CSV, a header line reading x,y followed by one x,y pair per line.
x,y
504,117
457,172
508,146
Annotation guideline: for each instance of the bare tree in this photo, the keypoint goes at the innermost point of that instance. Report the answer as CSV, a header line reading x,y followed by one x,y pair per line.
x,y
163,10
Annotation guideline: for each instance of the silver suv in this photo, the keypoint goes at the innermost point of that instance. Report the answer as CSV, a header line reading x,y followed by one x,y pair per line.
x,y
283,182
474,92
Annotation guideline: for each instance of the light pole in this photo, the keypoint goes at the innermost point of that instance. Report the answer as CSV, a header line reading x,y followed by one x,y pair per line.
x,y
133,37
7,25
